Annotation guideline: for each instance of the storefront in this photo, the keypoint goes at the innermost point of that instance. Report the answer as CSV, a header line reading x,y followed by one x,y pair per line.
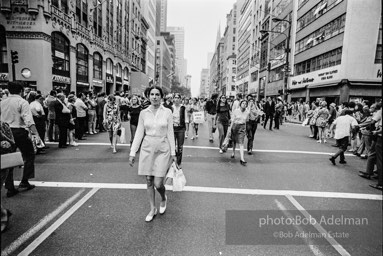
x,y
98,86
61,83
109,83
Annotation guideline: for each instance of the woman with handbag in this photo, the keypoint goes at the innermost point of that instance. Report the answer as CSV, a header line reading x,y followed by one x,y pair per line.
x,y
222,120
238,129
155,134
194,107
62,119
112,121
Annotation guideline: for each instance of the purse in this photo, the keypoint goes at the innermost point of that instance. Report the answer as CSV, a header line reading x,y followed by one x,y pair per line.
x,y
11,160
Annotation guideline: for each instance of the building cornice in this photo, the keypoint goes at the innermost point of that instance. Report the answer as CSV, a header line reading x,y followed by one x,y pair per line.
x,y
28,35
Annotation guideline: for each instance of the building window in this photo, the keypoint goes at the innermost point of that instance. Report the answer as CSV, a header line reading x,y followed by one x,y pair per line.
x,y
97,66
316,12
3,51
82,12
82,63
326,32
61,5
109,66
119,70
97,21
276,74
328,59
60,54
234,70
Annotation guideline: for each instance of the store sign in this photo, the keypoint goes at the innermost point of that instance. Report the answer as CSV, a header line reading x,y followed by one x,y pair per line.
x,y
379,73
278,61
316,77
99,83
61,79
21,21
109,78
3,76
83,84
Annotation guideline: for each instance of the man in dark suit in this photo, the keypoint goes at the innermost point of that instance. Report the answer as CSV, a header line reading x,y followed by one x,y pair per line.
x,y
269,110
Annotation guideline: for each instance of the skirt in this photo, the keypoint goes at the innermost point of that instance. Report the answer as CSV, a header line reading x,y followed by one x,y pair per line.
x,y
155,158
238,132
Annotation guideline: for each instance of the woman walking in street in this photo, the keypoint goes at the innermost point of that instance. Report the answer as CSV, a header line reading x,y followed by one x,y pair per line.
x,y
222,120
112,121
252,124
179,114
238,129
188,116
321,122
134,112
155,131
92,115
195,107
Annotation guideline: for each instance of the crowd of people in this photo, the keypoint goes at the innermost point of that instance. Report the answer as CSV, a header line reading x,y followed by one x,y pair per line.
x,y
160,124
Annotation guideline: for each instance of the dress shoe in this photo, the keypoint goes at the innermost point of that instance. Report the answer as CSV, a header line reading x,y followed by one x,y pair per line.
x,y
26,186
243,162
343,162
163,208
232,156
364,175
332,160
376,186
249,153
12,192
150,217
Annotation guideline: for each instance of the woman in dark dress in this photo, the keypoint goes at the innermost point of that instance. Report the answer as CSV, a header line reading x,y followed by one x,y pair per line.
x,y
222,119
134,112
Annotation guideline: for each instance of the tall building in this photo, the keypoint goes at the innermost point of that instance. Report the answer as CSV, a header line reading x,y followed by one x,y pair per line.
x,y
243,52
204,90
337,53
163,64
170,41
179,37
229,54
78,45
149,12
162,14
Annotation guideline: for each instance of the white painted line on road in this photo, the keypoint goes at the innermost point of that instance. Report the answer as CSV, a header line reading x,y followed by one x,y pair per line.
x,y
32,246
307,240
339,248
320,194
216,148
36,228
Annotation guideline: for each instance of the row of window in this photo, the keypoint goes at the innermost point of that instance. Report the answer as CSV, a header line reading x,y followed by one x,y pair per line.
x,y
61,60
322,61
317,11
326,32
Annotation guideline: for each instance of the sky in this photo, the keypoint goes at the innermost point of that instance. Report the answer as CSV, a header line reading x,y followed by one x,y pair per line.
x,y
200,19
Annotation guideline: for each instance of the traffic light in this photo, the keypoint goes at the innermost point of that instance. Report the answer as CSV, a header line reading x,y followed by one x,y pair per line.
x,y
15,57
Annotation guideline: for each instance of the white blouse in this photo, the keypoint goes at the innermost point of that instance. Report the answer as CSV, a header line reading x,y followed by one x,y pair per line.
x,y
156,125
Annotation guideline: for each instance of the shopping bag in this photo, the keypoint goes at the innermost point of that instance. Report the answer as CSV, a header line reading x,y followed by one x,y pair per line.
x,y
305,122
122,136
179,180
11,160
227,140
36,142
198,117
170,174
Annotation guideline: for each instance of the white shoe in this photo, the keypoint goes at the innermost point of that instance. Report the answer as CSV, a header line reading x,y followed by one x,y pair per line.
x,y
74,144
163,208
186,136
220,151
196,136
319,141
91,133
150,217
192,138
94,132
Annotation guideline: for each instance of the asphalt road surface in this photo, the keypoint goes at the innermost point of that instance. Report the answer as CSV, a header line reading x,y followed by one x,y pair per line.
x,y
88,201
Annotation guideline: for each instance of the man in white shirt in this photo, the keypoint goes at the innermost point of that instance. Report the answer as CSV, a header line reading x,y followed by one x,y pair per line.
x,y
343,125
81,109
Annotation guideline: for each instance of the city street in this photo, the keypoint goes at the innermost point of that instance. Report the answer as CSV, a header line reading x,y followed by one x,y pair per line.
x,y
88,201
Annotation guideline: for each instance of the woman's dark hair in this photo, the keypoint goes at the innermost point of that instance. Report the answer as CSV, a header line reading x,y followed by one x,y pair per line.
x,y
218,108
149,89
240,103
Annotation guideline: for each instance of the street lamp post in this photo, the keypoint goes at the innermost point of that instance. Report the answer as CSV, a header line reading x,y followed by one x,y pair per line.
x,y
287,50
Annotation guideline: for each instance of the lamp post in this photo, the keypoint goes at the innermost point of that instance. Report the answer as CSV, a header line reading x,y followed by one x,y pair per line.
x,y
287,50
